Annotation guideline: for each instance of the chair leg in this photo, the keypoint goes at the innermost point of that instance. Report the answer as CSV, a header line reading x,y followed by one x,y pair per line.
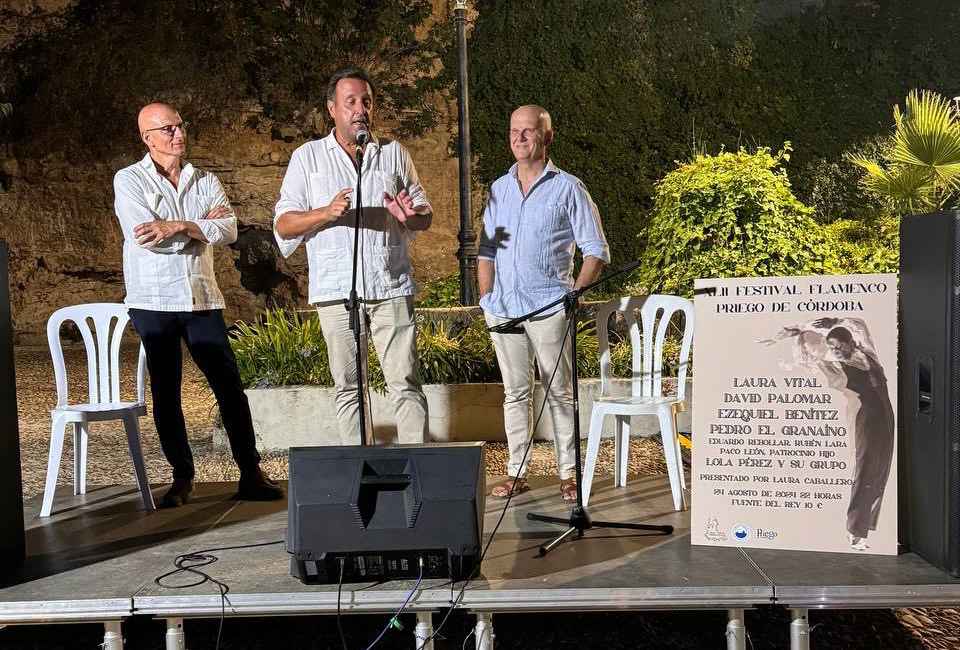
x,y
593,449
132,427
57,431
622,460
81,434
676,439
667,434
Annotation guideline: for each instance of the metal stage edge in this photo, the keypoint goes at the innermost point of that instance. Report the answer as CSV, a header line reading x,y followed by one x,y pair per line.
x,y
95,560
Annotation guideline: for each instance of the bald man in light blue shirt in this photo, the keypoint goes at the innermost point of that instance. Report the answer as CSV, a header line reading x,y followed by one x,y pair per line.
x,y
536,218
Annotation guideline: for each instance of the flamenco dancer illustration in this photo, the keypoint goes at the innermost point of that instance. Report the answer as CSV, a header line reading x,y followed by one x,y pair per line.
x,y
841,349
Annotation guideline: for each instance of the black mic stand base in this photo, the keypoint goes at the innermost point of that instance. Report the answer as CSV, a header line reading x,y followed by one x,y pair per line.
x,y
580,521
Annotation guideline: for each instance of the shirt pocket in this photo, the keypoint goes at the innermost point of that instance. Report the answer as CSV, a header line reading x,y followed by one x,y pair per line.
x,y
327,272
389,183
393,265
554,232
322,190
155,204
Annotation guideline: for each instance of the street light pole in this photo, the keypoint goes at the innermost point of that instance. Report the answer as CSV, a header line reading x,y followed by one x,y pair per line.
x,y
467,253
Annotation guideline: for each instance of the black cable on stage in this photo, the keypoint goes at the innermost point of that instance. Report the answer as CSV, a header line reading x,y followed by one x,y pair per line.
x,y
394,622
454,603
191,563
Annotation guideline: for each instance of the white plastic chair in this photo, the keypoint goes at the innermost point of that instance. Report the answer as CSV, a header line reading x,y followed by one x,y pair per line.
x,y
647,334
103,373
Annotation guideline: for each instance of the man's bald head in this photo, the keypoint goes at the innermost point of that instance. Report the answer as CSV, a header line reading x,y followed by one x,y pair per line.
x,y
531,133
162,130
535,112
156,114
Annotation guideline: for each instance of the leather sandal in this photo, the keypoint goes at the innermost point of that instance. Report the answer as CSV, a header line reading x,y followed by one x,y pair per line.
x,y
514,485
568,489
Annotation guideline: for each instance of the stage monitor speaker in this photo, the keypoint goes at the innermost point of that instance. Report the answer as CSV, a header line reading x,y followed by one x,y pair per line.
x,y
379,513
929,429
12,546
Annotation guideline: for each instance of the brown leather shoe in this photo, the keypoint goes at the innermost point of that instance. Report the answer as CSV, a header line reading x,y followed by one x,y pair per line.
x,y
254,485
178,494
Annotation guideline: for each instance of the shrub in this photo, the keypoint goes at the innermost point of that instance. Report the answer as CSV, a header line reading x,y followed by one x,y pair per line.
x,y
729,215
282,350
865,246
285,349
441,292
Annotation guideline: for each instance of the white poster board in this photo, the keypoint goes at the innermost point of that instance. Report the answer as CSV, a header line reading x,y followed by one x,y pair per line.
x,y
794,414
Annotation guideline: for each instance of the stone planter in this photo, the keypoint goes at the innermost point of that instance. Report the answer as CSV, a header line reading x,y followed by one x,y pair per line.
x,y
299,416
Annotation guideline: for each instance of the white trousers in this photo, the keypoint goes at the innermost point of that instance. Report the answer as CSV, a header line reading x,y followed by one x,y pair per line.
x,y
543,340
394,336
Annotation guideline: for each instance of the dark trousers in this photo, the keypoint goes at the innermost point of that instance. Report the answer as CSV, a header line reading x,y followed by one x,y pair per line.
x,y
206,336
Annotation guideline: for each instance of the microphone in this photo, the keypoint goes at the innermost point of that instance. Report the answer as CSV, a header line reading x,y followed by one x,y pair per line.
x,y
363,137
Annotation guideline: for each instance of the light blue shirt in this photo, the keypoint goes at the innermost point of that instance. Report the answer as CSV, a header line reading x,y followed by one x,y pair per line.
x,y
532,239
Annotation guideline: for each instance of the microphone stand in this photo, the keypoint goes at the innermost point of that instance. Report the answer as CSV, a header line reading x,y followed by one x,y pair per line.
x,y
352,304
579,520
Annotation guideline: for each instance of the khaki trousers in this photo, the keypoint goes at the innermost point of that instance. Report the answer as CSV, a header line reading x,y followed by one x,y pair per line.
x,y
543,340
394,335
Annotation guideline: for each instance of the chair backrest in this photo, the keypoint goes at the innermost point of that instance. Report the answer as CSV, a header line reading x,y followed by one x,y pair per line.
x,y
103,352
647,319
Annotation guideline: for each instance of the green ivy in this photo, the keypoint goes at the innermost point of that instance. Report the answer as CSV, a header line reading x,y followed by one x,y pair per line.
x,y
871,246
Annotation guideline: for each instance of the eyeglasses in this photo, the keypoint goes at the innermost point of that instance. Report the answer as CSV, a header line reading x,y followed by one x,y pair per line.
x,y
526,133
170,129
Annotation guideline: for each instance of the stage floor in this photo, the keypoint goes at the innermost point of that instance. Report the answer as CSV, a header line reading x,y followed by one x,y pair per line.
x,y
96,559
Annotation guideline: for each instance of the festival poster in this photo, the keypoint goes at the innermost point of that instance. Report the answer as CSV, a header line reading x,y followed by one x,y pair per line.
x,y
794,413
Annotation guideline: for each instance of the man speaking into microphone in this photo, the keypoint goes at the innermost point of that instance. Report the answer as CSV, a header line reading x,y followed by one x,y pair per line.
x,y
316,207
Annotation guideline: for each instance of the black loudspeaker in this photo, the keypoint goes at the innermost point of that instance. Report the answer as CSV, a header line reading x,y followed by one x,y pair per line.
x,y
930,387
12,546
379,513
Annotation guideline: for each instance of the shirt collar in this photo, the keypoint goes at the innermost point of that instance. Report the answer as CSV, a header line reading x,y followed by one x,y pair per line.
x,y
186,169
549,169
331,140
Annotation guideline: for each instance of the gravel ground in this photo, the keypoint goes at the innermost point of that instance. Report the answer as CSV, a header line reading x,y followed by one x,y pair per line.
x,y
109,462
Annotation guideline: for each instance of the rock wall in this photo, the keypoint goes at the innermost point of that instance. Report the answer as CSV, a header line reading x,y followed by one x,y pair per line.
x,y
56,211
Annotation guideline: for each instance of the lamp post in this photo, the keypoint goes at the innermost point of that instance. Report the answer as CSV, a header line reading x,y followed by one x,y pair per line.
x,y
467,253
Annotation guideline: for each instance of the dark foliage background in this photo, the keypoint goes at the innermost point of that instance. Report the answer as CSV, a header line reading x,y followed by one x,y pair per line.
x,y
635,85
74,87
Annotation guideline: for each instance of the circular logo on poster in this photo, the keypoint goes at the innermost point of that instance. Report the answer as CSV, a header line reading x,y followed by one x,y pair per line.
x,y
740,532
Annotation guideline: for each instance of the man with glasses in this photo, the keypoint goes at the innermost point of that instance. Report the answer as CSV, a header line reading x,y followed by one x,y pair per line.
x,y
172,215
315,209
535,219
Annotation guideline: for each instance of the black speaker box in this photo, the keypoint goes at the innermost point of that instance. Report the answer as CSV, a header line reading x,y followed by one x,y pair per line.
x,y
12,547
930,387
379,513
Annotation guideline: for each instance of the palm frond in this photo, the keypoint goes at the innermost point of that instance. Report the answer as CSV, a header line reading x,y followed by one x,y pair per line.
x,y
928,134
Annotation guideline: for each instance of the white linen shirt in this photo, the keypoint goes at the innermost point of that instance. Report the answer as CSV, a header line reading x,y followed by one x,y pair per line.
x,y
317,171
176,275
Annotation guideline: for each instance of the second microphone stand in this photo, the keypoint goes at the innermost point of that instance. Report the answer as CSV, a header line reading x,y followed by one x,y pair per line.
x,y
579,519
357,315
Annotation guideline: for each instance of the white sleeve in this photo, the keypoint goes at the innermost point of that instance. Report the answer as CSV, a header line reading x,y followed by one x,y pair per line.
x,y
411,180
294,197
132,209
219,232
